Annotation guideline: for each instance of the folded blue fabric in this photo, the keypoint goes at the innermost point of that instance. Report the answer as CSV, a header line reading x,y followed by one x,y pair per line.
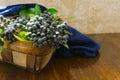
x,y
79,44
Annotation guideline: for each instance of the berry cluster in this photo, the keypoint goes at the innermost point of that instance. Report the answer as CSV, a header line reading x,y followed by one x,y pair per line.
x,y
42,30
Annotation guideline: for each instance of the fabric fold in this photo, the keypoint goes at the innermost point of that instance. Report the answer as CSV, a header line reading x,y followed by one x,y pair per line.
x,y
79,45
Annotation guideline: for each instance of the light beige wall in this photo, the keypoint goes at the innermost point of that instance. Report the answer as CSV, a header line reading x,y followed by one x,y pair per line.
x,y
90,16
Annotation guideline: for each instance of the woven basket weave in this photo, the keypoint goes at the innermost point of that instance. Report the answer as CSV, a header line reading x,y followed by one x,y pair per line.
x,y
25,55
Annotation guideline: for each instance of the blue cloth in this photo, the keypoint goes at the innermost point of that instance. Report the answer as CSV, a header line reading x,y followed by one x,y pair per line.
x,y
79,44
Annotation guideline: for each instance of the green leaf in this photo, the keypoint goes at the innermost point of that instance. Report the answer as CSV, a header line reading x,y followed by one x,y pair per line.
x,y
29,15
38,9
69,18
55,17
32,10
52,10
1,31
20,39
66,45
23,35
2,39
1,47
67,32
23,11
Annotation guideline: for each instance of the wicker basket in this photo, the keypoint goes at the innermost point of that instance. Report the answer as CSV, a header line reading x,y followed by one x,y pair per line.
x,y
25,55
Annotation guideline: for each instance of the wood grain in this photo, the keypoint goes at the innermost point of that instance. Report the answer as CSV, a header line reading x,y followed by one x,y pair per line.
x,y
19,59
28,48
7,55
31,62
105,66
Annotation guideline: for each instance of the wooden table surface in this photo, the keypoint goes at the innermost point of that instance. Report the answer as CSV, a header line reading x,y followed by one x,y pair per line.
x,y
105,66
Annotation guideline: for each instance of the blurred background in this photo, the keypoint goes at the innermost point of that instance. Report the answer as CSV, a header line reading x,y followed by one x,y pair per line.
x,y
87,16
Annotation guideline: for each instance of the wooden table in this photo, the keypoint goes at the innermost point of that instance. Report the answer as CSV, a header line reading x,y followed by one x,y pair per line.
x,y
105,66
